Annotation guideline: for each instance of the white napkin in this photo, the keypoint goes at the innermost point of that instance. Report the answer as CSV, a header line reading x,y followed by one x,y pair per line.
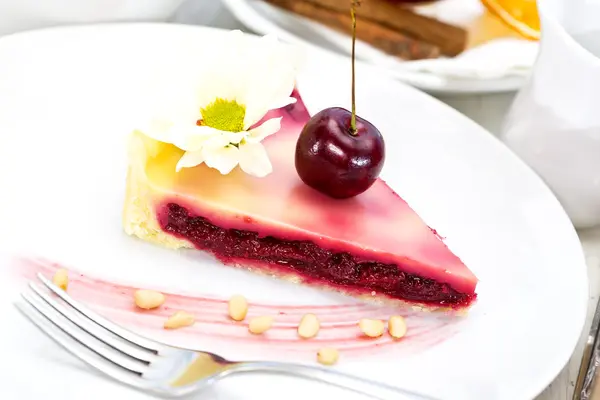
x,y
495,59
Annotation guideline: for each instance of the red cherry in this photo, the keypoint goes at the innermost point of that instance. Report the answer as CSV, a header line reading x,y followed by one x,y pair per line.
x,y
335,161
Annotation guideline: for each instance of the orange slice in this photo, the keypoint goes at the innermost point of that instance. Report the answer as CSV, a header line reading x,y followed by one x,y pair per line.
x,y
520,15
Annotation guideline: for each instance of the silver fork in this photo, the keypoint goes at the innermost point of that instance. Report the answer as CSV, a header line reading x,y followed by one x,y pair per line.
x,y
158,368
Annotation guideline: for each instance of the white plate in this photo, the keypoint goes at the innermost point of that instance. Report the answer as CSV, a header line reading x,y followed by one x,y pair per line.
x,y
487,69
65,96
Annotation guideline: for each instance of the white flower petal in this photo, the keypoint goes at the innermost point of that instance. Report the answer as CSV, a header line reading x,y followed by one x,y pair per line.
x,y
169,110
236,137
190,159
216,85
195,137
157,129
254,160
266,93
227,74
280,103
217,141
223,159
267,128
176,101
273,76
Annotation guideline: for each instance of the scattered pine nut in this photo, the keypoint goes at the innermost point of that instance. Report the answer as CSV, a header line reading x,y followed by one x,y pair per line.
x,y
61,279
309,326
238,307
397,326
148,299
179,320
260,325
372,327
328,356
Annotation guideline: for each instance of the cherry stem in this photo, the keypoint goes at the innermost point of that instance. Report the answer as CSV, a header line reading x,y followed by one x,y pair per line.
x,y
353,118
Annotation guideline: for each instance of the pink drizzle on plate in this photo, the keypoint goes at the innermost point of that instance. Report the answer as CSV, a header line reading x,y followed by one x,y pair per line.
x,y
215,331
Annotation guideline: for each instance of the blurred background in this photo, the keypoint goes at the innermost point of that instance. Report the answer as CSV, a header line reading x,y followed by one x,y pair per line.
x,y
480,81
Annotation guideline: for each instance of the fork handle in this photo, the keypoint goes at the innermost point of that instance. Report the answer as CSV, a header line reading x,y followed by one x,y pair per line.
x,y
376,390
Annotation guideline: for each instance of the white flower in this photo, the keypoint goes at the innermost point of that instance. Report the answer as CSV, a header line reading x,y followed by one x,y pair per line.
x,y
211,108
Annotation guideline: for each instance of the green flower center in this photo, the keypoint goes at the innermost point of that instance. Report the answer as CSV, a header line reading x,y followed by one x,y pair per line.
x,y
225,115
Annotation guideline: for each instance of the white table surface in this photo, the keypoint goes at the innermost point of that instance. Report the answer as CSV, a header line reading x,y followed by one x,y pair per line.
x,y
488,111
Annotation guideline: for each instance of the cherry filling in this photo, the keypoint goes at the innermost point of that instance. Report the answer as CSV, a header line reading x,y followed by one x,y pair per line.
x,y
310,261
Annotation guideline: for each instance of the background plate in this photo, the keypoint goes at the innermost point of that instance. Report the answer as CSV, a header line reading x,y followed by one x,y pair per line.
x,y
263,18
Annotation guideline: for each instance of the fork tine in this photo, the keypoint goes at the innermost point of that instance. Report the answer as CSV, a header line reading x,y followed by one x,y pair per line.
x,y
103,322
93,329
83,337
78,349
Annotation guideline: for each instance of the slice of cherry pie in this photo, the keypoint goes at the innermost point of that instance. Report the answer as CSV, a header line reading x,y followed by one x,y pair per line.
x,y
371,246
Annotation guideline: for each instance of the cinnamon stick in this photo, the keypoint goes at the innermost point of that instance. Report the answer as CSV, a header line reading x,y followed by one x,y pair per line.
x,y
381,37
451,40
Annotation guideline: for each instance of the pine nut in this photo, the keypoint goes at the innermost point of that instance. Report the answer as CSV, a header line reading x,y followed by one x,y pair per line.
x,y
148,299
238,308
309,326
260,325
179,320
328,356
372,327
397,326
61,279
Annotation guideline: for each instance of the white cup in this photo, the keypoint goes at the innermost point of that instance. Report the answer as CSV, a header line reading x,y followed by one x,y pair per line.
x,y
554,122
20,15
